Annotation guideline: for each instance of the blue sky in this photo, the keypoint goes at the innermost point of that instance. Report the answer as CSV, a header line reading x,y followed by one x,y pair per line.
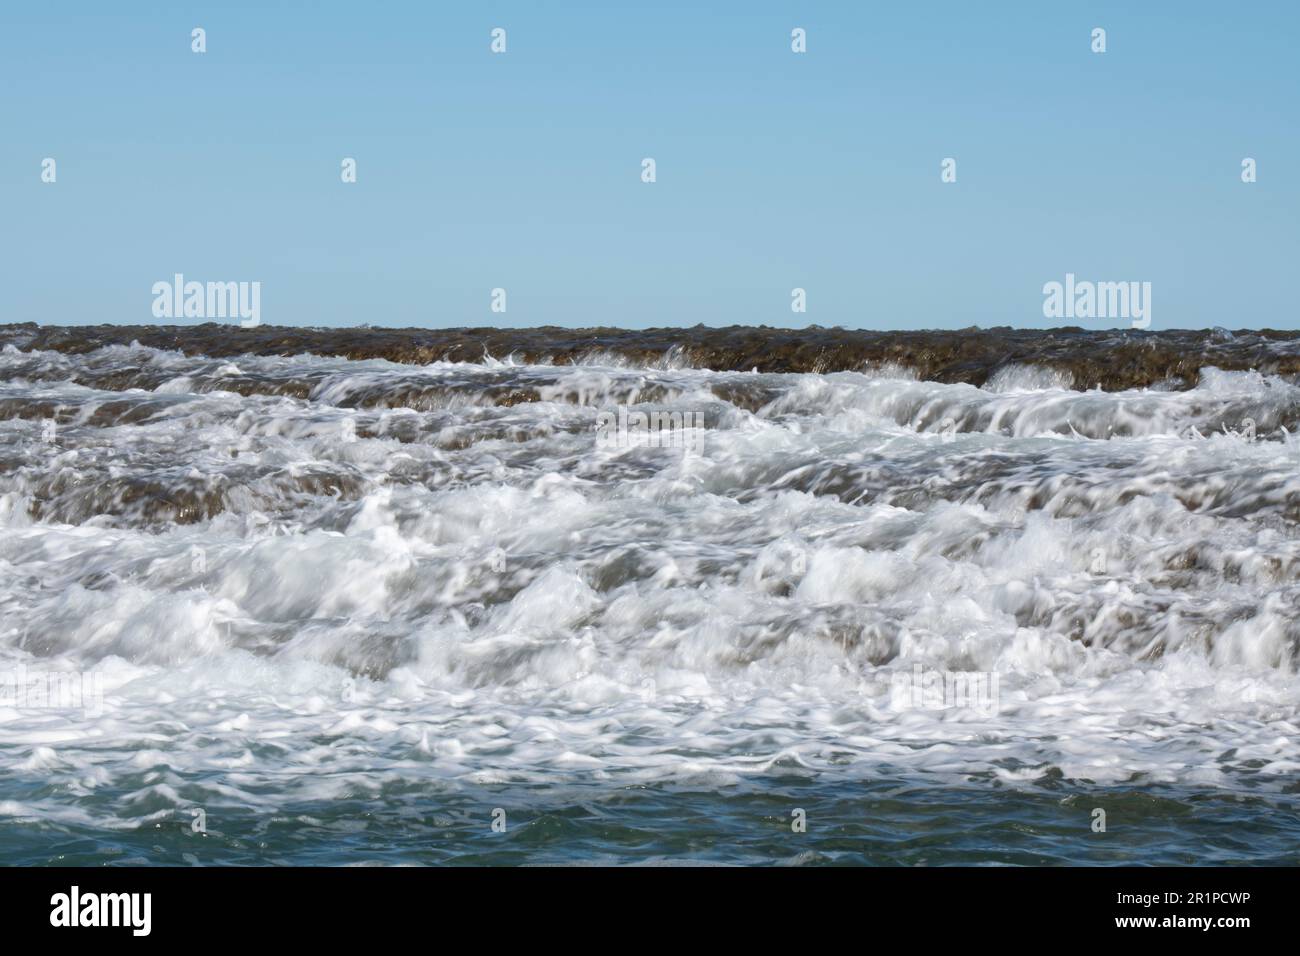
x,y
775,170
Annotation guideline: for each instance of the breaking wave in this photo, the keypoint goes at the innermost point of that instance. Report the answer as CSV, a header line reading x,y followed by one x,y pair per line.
x,y
283,562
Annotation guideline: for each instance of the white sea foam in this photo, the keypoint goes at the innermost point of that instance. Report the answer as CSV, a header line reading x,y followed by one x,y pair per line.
x,y
471,590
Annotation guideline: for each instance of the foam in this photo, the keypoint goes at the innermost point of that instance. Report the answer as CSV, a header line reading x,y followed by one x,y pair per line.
x,y
476,592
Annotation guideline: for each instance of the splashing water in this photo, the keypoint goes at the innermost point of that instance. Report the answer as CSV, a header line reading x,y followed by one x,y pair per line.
x,y
347,609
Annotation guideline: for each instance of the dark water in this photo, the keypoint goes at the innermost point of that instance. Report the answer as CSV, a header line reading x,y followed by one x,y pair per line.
x,y
880,823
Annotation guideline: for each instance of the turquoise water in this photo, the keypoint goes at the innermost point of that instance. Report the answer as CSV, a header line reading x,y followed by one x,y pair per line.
x,y
885,823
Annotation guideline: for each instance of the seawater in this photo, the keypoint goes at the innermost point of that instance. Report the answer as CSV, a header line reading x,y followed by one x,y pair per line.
x,y
362,612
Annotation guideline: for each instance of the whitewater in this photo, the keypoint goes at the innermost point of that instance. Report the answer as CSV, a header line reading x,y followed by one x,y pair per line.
x,y
342,611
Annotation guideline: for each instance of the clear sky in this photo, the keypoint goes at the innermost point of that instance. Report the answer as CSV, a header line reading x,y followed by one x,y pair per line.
x,y
775,170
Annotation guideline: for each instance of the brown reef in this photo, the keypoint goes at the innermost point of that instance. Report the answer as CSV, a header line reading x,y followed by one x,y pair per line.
x,y
1111,359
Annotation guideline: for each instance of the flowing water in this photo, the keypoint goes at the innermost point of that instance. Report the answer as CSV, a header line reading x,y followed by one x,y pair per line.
x,y
310,609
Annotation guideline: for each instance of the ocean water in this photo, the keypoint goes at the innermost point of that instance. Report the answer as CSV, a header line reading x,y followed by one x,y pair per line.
x,y
312,609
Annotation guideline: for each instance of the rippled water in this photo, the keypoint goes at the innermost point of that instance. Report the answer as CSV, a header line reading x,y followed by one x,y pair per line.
x,y
343,611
